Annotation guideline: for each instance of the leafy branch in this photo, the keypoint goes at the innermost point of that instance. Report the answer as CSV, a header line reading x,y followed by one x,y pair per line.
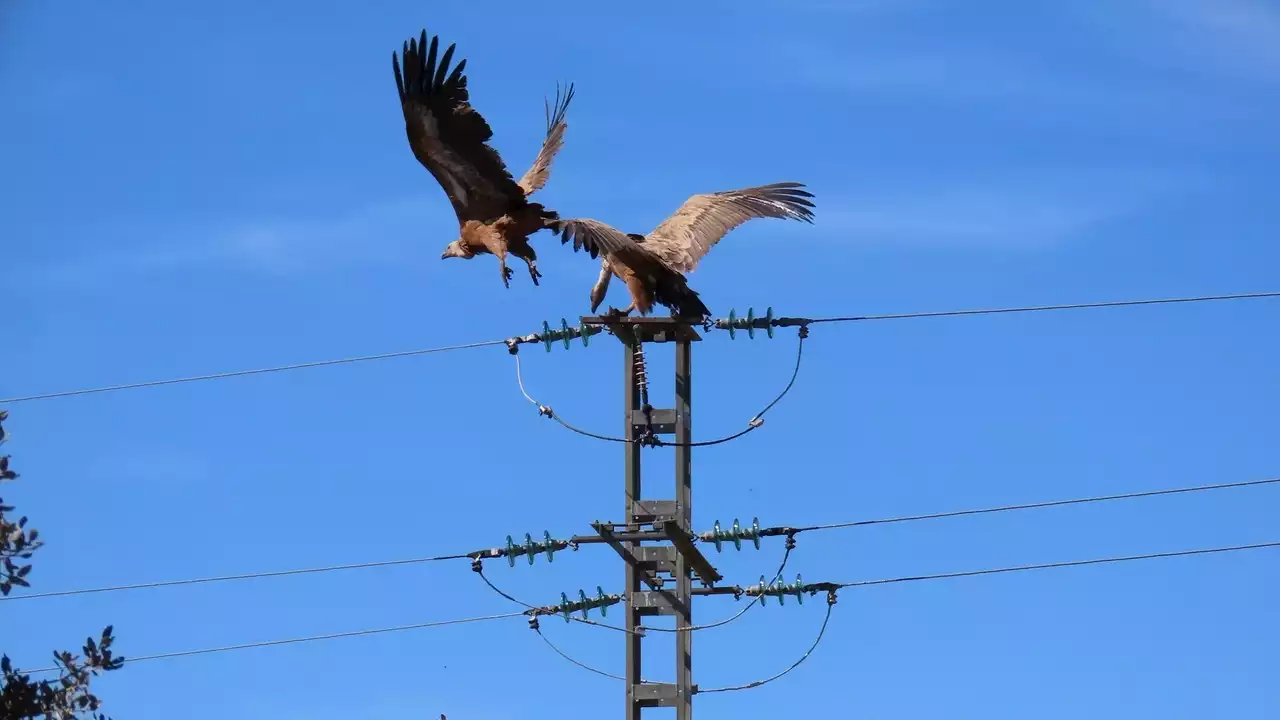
x,y
67,697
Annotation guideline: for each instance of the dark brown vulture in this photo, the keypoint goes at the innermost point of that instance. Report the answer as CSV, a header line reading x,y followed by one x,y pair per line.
x,y
450,138
653,265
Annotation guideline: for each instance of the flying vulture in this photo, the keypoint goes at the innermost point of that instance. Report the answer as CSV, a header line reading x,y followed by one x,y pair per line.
x,y
653,265
450,138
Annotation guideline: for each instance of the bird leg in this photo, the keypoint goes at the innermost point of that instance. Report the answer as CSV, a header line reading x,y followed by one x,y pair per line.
x,y
506,272
533,270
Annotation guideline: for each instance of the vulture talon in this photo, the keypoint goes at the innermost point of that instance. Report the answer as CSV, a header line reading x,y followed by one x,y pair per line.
x,y
533,273
507,274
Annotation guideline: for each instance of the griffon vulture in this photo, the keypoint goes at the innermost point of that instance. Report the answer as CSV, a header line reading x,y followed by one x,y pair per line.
x,y
653,265
450,138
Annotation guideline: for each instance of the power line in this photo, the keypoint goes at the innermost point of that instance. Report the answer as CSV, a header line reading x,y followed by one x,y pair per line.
x,y
755,422
312,638
1047,566
243,576
748,686
859,583
465,556
260,371
1042,308
479,569
1050,503
832,587
849,318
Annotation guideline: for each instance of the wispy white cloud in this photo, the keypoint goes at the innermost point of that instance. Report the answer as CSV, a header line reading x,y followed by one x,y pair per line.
x,y
1237,40
380,233
967,218
842,7
1115,88
1241,36
952,75
1016,213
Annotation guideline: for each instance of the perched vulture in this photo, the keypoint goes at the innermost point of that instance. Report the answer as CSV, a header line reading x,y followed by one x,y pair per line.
x,y
450,138
653,265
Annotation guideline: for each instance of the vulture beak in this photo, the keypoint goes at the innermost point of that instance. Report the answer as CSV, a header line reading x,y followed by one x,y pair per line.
x,y
444,255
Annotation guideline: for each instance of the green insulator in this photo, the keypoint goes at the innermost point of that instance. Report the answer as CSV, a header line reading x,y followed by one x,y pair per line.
x,y
568,335
737,535
732,320
716,535
604,602
755,532
751,325
583,603
511,552
549,544
530,547
769,327
546,335
799,590
565,607
585,332
764,591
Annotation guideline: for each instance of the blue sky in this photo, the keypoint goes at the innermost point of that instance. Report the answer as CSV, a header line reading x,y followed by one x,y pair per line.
x,y
213,187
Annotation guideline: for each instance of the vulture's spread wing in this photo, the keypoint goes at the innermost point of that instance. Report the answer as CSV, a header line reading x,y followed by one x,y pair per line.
x,y
690,233
596,237
540,171
448,136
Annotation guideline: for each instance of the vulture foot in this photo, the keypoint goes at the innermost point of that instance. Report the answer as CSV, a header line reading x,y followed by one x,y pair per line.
x,y
507,273
533,272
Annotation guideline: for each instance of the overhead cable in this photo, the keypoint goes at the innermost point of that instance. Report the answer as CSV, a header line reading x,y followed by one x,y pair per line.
x,y
805,321
242,576
653,440
259,371
1068,563
1043,308
1032,506
781,531
291,641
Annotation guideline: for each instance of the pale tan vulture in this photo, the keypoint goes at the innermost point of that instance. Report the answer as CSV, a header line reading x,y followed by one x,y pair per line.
x,y
653,265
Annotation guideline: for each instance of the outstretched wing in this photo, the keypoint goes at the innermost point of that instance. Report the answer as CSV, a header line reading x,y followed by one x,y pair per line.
x,y
540,171
690,233
448,136
597,238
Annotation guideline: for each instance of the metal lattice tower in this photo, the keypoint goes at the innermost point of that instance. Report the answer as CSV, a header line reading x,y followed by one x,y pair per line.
x,y
659,574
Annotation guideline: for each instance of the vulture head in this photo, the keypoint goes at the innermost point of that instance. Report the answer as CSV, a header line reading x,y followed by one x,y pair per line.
x,y
458,250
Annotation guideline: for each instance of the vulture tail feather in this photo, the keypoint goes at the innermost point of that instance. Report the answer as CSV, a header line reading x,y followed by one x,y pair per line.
x,y
673,291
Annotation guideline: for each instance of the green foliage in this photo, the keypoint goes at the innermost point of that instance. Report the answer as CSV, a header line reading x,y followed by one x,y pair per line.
x,y
67,696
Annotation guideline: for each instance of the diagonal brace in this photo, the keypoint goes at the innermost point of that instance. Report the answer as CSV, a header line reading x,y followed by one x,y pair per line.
x,y
607,533
684,545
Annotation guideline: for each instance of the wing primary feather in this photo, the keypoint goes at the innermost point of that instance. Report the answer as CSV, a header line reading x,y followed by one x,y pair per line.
x,y
395,66
456,76
562,106
444,65
429,67
410,56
